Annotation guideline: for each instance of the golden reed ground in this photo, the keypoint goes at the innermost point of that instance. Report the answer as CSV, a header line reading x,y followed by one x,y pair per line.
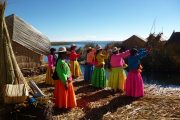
x,y
158,104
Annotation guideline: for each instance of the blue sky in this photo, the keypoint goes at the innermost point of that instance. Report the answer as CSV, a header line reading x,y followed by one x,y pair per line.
x,y
63,20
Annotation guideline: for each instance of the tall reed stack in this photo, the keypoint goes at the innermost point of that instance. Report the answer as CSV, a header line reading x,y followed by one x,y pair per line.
x,y
10,72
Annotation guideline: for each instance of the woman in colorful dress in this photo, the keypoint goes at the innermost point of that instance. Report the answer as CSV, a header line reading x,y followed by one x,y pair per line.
x,y
99,73
64,92
134,86
74,65
51,63
89,67
117,75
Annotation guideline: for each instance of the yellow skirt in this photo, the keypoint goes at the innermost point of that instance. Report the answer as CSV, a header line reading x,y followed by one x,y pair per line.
x,y
117,78
49,79
75,69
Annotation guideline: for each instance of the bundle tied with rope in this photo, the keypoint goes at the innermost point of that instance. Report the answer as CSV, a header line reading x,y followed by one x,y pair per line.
x,y
13,86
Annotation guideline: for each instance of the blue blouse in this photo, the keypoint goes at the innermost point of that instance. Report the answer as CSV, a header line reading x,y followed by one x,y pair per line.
x,y
134,61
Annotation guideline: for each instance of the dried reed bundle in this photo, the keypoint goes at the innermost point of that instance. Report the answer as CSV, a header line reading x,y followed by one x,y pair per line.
x,y
9,70
6,68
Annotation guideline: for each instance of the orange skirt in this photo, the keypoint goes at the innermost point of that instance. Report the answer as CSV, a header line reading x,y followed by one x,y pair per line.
x,y
64,98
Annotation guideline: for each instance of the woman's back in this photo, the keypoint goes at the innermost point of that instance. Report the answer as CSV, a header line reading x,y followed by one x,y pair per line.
x,y
133,62
117,61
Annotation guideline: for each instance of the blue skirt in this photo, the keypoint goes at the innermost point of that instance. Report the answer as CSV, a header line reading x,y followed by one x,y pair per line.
x,y
88,72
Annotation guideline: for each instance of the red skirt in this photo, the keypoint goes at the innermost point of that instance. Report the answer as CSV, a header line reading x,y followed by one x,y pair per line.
x,y
64,98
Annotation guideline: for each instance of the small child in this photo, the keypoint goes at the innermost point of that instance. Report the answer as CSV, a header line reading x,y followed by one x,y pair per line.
x,y
134,83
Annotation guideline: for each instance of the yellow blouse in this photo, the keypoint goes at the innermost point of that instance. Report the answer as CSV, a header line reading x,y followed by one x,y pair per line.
x,y
100,58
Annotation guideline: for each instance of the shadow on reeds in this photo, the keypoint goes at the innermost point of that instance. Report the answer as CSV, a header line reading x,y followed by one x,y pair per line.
x,y
6,111
50,90
86,89
85,100
58,111
114,104
29,113
80,83
44,85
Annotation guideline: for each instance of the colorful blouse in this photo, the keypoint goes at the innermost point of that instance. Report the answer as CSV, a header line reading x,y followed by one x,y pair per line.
x,y
73,55
90,56
100,59
134,61
63,70
51,61
117,60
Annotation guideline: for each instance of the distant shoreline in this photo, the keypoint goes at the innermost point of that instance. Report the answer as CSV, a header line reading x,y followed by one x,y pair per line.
x,y
81,42
60,43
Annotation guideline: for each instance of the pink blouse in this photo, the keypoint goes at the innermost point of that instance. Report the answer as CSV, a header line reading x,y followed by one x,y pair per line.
x,y
117,60
51,61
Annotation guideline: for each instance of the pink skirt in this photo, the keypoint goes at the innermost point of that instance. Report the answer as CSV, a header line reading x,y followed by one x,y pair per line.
x,y
134,86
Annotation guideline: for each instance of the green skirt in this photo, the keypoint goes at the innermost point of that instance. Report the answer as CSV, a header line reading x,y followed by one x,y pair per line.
x,y
99,78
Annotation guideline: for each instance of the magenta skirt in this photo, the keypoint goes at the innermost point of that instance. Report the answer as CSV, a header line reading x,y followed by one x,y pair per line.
x,y
134,86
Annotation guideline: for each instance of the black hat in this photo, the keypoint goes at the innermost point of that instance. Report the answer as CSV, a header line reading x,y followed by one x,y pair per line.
x,y
133,51
52,49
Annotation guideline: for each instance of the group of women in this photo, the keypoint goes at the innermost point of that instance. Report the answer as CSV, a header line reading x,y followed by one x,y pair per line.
x,y
64,96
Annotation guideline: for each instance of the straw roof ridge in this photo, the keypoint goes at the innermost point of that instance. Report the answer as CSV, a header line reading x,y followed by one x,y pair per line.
x,y
134,41
175,37
136,36
27,35
140,37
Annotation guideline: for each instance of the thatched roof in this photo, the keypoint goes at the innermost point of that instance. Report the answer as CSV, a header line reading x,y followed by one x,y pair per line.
x,y
156,40
26,35
134,41
175,38
156,37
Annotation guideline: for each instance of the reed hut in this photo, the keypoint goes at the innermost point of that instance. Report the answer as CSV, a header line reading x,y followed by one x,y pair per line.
x,y
174,39
173,44
29,45
172,47
134,41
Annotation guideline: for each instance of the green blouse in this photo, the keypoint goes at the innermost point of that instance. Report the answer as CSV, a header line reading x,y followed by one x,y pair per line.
x,y
63,70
